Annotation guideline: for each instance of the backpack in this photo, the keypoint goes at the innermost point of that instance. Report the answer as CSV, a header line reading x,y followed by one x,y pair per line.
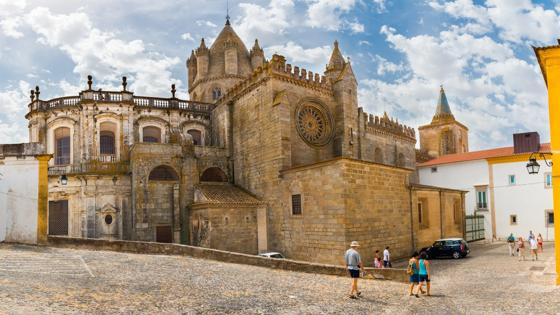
x,y
409,269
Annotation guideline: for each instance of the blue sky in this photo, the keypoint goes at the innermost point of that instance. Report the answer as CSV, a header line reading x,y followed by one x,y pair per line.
x,y
401,51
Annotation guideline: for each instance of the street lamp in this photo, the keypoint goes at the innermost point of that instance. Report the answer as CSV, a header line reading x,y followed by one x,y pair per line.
x,y
63,180
533,166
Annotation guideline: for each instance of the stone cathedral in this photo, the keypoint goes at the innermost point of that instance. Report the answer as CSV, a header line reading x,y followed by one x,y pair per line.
x,y
264,156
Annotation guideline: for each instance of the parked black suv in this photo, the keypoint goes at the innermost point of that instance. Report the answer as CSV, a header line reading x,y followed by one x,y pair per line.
x,y
448,247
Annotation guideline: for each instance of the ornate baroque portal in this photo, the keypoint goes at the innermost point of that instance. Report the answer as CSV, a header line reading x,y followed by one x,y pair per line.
x,y
313,124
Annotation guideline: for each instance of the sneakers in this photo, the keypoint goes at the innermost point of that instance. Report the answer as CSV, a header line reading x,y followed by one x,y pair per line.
x,y
353,297
359,294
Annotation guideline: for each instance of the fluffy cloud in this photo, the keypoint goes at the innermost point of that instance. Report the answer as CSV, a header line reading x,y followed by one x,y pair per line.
x,y
490,89
10,21
187,36
328,14
316,57
265,22
13,102
516,20
102,53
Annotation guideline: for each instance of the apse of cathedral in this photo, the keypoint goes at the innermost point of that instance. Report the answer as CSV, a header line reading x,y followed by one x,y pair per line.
x,y
264,155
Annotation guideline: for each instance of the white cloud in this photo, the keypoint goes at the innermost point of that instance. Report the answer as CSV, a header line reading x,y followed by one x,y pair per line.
x,y
380,6
187,36
317,57
102,53
384,66
205,23
13,103
265,23
490,90
356,27
11,7
327,14
517,20
9,27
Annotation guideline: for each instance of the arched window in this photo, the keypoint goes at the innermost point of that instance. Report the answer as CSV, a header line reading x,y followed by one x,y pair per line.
x,y
216,93
213,174
107,138
401,160
151,134
378,156
163,172
196,136
62,146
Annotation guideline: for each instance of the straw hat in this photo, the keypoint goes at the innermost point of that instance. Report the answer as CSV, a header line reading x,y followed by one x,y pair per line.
x,y
354,244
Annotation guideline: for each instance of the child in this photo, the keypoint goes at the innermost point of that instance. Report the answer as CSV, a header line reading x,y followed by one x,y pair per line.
x,y
376,260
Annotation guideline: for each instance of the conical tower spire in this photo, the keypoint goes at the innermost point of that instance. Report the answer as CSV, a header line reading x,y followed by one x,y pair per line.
x,y
337,60
442,110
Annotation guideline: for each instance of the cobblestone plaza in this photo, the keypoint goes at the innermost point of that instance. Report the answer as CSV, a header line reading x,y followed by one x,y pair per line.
x,y
42,280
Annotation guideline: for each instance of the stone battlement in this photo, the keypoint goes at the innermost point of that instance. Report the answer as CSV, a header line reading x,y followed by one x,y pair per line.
x,y
277,67
384,123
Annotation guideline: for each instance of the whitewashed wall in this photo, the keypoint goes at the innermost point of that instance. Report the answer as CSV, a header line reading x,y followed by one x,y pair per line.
x,y
528,199
18,199
460,175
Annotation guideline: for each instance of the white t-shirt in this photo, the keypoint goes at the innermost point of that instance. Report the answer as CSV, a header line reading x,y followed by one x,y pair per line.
x,y
533,243
386,255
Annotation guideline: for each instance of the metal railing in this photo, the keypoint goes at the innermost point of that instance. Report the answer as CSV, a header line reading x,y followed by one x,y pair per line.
x,y
104,164
481,205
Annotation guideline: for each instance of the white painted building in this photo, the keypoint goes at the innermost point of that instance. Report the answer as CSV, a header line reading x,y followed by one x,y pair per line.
x,y
499,188
20,192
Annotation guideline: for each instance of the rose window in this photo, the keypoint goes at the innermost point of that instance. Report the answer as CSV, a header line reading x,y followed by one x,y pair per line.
x,y
313,125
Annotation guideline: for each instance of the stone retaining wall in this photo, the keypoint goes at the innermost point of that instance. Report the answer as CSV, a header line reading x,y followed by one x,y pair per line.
x,y
392,274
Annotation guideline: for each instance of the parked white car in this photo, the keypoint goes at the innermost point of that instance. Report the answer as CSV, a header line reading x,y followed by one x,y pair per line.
x,y
272,255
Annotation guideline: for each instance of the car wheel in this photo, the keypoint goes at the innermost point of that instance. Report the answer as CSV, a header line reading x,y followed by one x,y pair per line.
x,y
456,255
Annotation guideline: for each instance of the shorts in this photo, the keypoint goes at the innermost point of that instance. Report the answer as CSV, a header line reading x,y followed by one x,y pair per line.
x,y
354,273
422,278
413,278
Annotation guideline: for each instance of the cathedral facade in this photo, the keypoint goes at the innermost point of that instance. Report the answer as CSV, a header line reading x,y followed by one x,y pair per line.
x,y
263,156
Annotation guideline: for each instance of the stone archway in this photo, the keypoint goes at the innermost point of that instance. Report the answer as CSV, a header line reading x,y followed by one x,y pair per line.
x,y
213,174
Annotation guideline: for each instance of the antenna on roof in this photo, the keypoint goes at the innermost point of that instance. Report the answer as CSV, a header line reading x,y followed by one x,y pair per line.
x,y
227,10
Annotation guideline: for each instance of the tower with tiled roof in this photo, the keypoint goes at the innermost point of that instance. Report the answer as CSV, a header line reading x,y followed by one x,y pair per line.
x,y
444,135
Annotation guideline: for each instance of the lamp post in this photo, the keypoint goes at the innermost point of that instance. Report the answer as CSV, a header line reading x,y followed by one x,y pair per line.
x,y
63,180
533,166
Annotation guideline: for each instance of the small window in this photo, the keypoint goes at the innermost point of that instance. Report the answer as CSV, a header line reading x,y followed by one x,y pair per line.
x,y
296,204
434,169
420,213
549,218
216,93
108,219
481,200
548,180
513,219
151,134
511,179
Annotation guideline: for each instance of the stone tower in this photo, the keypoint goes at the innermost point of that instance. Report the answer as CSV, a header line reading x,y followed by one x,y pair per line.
x,y
212,71
444,135
345,87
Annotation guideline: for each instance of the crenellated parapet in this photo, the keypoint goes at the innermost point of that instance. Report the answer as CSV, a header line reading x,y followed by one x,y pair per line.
x,y
277,68
386,124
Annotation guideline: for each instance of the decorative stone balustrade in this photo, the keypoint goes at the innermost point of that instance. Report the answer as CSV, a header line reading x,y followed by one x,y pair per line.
x,y
119,97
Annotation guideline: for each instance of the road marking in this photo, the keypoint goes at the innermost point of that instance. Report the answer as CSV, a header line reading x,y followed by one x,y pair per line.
x,y
44,263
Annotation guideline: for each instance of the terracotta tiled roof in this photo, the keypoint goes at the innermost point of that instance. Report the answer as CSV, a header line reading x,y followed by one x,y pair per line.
x,y
223,193
477,155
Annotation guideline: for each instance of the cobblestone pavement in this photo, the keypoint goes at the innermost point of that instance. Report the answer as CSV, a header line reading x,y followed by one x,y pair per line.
x,y
35,280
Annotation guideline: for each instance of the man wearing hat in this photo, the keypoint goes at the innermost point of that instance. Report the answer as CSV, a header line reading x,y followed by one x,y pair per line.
x,y
354,265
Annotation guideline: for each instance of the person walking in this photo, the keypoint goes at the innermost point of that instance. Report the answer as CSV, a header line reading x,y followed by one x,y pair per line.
x,y
376,260
540,243
534,248
354,265
387,258
424,273
412,271
521,249
531,236
511,244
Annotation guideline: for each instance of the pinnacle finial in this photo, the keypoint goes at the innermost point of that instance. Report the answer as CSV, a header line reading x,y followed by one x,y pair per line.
x,y
227,14
173,90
